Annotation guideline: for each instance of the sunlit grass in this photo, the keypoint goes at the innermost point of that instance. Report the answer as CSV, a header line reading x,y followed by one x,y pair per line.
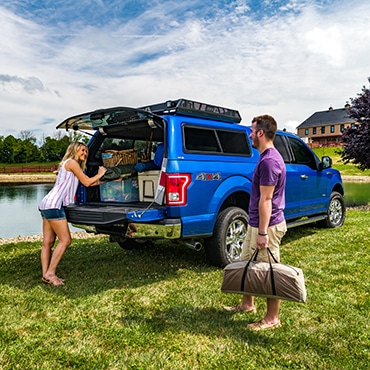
x,y
161,308
345,169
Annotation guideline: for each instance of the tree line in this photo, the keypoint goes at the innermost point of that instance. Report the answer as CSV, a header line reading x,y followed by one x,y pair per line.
x,y
25,149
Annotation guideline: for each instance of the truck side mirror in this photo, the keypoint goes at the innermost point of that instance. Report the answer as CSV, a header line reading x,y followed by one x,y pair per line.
x,y
326,162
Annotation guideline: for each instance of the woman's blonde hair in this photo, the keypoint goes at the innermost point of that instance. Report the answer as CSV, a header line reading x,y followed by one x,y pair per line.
x,y
72,151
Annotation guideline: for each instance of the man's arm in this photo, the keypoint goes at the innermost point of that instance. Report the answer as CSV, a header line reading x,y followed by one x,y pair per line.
x,y
265,210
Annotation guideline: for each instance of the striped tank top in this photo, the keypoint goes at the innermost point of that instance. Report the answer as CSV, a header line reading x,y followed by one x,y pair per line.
x,y
63,191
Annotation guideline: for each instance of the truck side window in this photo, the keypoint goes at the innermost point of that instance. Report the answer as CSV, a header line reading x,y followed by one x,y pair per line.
x,y
203,140
200,140
302,154
282,148
234,142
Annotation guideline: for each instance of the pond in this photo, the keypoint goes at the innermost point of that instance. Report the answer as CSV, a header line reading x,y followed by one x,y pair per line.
x,y
19,215
356,193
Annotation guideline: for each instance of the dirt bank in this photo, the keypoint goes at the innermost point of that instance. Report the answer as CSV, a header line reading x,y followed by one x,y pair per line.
x,y
23,178
38,238
356,178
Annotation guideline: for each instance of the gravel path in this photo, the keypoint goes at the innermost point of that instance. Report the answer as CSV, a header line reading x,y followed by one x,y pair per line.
x,y
32,178
38,238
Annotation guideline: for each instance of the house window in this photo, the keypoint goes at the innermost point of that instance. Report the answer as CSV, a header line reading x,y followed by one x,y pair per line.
x,y
314,130
332,129
341,128
323,129
306,131
353,125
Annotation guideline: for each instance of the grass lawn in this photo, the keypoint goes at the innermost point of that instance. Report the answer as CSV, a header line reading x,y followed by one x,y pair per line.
x,y
161,308
345,169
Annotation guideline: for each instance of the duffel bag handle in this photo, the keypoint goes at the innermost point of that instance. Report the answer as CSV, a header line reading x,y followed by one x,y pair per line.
x,y
269,253
253,258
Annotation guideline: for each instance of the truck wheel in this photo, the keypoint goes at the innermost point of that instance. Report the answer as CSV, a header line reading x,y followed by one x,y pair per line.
x,y
336,212
225,246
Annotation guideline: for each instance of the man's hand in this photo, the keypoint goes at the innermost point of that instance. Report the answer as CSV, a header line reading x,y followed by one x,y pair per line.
x,y
262,241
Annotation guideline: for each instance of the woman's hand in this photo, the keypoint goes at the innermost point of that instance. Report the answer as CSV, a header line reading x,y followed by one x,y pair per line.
x,y
102,170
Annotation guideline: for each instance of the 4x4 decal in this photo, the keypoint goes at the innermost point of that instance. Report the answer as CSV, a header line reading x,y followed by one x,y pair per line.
x,y
209,176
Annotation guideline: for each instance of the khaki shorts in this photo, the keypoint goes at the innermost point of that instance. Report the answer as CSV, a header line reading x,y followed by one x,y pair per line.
x,y
275,234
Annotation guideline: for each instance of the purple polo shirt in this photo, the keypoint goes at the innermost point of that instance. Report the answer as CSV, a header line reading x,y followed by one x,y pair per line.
x,y
270,170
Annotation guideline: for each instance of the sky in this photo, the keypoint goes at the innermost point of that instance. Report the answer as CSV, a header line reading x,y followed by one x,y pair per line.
x,y
288,58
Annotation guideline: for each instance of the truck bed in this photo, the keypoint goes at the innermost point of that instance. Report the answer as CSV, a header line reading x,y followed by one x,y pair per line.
x,y
106,213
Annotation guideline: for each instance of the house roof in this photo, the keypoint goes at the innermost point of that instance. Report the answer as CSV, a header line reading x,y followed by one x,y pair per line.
x,y
327,117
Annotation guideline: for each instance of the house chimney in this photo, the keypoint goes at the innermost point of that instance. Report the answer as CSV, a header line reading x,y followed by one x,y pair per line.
x,y
330,108
347,106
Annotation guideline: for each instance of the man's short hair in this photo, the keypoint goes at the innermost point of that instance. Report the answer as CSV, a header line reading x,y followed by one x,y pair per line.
x,y
267,124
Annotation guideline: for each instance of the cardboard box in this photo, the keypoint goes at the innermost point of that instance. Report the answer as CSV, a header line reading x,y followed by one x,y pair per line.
x,y
120,191
148,183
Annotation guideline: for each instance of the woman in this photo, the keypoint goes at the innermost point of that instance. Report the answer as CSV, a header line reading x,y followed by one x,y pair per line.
x,y
54,222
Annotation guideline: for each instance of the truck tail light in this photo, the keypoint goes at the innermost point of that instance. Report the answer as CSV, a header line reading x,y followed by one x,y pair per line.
x,y
176,189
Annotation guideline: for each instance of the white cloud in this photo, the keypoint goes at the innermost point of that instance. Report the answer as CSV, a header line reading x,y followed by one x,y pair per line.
x,y
328,43
28,85
289,64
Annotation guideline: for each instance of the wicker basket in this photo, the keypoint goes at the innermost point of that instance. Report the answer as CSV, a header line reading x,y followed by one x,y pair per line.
x,y
113,158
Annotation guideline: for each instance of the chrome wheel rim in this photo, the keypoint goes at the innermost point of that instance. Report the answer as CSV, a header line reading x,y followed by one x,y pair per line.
x,y
235,237
335,211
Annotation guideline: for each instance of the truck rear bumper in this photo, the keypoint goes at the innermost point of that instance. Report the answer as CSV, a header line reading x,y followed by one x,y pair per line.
x,y
168,229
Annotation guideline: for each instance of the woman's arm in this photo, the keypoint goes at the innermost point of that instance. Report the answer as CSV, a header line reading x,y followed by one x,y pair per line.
x,y
74,167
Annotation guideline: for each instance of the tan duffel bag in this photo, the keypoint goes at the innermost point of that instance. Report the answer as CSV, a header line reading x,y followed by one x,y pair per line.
x,y
265,279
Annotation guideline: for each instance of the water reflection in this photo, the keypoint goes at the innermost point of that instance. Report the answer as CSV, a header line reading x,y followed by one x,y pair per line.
x,y
356,193
27,192
19,215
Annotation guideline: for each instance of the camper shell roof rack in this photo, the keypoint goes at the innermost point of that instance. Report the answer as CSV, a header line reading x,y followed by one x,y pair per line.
x,y
194,109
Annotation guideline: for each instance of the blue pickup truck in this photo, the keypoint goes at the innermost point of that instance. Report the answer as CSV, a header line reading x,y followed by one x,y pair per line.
x,y
200,194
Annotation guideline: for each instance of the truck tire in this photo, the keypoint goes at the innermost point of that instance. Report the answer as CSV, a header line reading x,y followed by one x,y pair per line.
x,y
336,212
225,245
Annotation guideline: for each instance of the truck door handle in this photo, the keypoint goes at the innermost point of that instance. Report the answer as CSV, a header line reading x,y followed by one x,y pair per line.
x,y
303,177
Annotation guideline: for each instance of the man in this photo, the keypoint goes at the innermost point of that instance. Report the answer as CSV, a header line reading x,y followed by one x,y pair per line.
x,y
266,213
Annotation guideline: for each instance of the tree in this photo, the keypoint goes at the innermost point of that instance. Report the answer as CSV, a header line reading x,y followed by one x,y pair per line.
x,y
356,139
1,149
7,155
27,135
25,149
29,151
53,150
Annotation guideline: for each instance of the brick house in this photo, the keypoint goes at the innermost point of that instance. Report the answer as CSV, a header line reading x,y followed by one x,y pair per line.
x,y
325,128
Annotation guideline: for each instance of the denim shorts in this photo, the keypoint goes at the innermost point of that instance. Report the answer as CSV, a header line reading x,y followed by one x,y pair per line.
x,y
53,214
